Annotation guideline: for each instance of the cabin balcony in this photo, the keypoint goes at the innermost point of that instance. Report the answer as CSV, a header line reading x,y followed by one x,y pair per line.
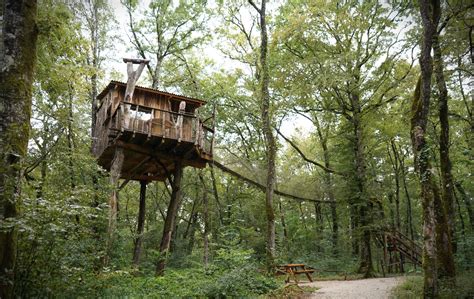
x,y
153,139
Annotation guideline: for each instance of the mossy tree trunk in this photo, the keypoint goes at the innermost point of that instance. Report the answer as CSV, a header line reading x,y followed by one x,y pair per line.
x,y
429,189
360,198
270,143
17,60
446,246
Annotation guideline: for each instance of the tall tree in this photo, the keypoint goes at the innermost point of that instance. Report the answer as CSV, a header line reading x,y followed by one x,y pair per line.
x,y
270,142
166,32
333,66
446,229
17,60
97,19
431,199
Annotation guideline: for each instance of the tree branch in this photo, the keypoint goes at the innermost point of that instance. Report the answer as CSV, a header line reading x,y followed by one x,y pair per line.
x,y
263,188
300,152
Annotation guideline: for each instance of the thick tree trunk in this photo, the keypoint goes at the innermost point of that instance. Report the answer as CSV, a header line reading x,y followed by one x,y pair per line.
x,y
18,36
137,250
420,112
360,196
269,137
115,171
444,205
170,220
445,162
156,80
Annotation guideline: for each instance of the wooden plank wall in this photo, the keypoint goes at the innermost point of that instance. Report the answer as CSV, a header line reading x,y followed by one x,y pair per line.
x,y
163,121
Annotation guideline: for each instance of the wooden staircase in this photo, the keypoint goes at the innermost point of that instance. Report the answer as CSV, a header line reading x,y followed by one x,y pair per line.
x,y
394,241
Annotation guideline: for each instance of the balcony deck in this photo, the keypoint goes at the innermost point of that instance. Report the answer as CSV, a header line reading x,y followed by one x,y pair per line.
x,y
152,139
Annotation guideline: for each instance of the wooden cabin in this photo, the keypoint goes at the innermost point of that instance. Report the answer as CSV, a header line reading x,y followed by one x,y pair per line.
x,y
155,129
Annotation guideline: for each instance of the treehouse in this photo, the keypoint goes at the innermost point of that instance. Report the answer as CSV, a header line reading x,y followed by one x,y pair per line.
x,y
155,129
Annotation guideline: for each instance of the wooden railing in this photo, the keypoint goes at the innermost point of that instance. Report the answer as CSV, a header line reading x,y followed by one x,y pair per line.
x,y
151,122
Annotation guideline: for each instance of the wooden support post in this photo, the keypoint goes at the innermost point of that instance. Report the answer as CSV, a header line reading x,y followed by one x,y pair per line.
x,y
170,218
115,171
137,250
133,76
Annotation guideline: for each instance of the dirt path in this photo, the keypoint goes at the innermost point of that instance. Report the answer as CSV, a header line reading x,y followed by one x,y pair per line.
x,y
375,288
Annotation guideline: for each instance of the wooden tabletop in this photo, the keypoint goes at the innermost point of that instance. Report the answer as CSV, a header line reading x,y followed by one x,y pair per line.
x,y
292,266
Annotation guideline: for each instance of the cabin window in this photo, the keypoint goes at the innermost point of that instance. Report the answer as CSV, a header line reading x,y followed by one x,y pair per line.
x,y
143,114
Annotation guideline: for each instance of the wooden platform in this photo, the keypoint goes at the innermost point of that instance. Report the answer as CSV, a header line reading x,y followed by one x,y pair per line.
x,y
153,132
152,158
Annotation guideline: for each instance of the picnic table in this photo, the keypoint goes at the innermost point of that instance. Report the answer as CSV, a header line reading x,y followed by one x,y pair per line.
x,y
292,270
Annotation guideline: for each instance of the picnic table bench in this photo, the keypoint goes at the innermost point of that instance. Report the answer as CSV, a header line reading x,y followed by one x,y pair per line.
x,y
292,270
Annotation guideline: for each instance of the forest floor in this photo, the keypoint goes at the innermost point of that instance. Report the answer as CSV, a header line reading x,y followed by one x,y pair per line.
x,y
364,288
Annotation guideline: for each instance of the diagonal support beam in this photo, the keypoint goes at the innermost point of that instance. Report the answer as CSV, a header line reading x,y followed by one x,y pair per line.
x,y
134,171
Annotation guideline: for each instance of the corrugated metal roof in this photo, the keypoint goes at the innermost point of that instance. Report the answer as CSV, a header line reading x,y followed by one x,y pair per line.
x,y
173,95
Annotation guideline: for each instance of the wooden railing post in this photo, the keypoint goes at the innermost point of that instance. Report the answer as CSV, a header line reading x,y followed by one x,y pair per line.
x,y
213,127
163,130
135,120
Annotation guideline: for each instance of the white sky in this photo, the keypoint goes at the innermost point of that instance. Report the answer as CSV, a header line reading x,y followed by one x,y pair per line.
x,y
297,124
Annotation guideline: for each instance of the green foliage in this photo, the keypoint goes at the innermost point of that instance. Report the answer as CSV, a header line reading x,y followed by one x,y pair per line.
x,y
320,53
233,275
413,287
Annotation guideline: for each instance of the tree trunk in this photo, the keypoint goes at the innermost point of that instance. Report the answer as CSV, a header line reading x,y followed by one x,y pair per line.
x,y
429,189
216,195
17,59
170,218
70,141
269,137
323,140
445,162
354,223
319,226
285,229
409,215
396,164
115,171
137,250
360,196
445,206
155,82
205,215
192,232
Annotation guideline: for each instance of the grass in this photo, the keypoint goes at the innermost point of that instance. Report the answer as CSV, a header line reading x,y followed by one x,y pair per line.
x,y
413,287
